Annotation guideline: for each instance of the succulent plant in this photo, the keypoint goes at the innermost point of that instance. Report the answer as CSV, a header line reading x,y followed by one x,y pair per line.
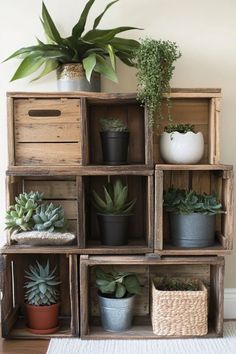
x,y
19,216
113,125
182,201
117,284
180,128
174,284
42,285
115,201
49,217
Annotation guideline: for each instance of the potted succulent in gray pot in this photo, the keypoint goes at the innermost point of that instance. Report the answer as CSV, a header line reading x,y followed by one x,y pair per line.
x,y
113,213
80,58
191,217
41,299
180,144
115,140
116,297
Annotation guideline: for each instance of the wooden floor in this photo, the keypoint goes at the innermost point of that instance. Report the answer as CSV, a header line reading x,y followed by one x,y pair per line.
x,y
23,346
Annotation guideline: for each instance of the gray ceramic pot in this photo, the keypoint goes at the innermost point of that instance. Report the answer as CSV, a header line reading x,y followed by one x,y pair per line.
x,y
194,230
71,77
116,314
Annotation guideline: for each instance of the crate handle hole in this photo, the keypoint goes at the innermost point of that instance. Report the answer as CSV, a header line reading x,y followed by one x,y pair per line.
x,y
44,113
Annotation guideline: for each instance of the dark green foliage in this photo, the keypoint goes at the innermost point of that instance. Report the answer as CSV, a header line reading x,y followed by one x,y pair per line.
x,y
155,64
182,201
172,284
180,128
115,199
113,125
91,49
117,284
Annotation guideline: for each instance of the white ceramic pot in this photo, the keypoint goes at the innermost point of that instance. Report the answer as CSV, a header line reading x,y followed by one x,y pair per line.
x,y
179,148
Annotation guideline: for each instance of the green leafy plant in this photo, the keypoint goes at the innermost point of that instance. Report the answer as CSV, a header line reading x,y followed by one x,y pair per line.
x,y
174,284
155,64
41,285
182,201
115,201
19,217
117,284
113,125
180,128
49,217
91,49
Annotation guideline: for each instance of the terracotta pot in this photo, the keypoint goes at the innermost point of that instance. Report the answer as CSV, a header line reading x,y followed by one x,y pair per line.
x,y
42,319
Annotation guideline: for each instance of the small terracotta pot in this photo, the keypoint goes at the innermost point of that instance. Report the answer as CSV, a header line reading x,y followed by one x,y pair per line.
x,y
42,319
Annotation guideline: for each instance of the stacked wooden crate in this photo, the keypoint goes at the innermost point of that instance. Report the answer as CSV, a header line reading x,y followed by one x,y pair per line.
x,y
54,147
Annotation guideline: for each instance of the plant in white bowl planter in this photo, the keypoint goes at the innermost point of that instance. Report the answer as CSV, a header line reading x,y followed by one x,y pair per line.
x,y
180,144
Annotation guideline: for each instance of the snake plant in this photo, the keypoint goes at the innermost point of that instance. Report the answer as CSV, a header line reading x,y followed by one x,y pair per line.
x,y
91,49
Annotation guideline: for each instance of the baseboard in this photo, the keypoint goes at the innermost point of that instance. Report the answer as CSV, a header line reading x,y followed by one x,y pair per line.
x,y
230,303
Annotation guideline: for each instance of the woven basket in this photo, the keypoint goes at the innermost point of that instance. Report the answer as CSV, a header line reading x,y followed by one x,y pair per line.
x,y
179,313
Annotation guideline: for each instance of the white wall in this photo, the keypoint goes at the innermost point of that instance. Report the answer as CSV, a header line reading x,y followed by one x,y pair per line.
x,y
205,31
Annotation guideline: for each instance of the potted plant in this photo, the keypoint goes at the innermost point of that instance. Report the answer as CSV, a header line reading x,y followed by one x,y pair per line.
x,y
155,64
191,217
41,299
115,140
179,144
179,307
116,297
79,58
113,213
32,221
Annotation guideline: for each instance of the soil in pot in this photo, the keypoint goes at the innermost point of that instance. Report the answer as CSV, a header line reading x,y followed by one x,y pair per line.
x,y
42,319
116,314
194,230
113,229
115,147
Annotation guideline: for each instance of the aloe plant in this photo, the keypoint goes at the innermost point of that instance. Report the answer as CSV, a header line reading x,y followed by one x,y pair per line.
x,y
182,201
41,285
91,49
117,284
115,201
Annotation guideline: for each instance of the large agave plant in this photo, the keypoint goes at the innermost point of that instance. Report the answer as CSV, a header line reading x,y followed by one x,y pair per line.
x,y
91,49
42,285
19,217
115,201
49,217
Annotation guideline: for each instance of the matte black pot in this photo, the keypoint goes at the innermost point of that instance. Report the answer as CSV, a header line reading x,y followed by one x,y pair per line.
x,y
194,230
115,147
113,229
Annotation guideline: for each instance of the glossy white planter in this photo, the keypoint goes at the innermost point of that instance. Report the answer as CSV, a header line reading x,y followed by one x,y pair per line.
x,y
179,148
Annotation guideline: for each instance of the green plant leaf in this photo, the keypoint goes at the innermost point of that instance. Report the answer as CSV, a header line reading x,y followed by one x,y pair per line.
x,y
78,29
109,201
105,36
98,19
120,290
50,66
103,68
132,284
89,65
99,202
29,65
49,26
112,55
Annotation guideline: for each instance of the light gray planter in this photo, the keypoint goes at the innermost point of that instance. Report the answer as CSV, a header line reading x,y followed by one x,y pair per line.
x,y
116,314
194,230
71,77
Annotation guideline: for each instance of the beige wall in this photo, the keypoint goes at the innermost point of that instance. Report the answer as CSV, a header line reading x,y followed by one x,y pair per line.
x,y
205,31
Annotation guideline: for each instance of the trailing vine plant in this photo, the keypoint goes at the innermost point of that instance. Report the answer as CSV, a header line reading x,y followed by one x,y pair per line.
x,y
155,64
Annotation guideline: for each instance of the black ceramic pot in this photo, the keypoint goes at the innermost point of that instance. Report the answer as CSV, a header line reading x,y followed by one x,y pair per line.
x,y
115,147
113,229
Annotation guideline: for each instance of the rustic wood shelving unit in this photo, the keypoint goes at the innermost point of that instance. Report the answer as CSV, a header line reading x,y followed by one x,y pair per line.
x,y
54,147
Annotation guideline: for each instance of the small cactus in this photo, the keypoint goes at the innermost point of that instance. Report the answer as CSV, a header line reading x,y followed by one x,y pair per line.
x,y
113,125
49,217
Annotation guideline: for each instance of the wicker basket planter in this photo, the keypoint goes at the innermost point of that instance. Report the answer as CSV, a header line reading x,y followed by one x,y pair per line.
x,y
179,313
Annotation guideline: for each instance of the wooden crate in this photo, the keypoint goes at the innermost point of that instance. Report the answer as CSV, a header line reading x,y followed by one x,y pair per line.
x,y
44,130
200,107
140,229
126,108
209,269
12,290
200,178
57,189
